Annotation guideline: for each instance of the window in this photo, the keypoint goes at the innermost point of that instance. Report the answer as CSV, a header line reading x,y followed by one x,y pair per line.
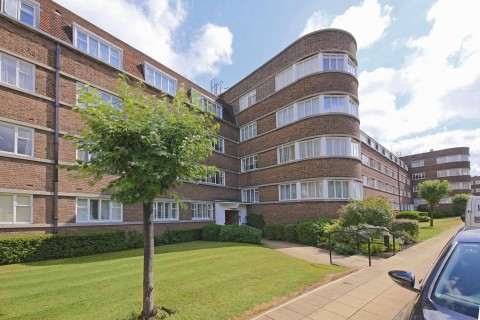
x,y
250,195
165,210
418,201
338,189
17,72
248,131
460,185
418,163
286,153
284,78
106,97
208,104
311,190
333,62
249,163
98,210
447,200
354,149
307,66
336,147
418,176
453,172
16,208
27,12
334,104
309,149
16,140
353,107
218,178
453,158
357,190
159,79
96,47
308,107
202,211
415,188
365,160
248,100
219,145
288,191
84,155
285,116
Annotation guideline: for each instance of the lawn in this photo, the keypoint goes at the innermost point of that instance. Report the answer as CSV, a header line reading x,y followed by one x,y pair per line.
x,y
439,225
199,280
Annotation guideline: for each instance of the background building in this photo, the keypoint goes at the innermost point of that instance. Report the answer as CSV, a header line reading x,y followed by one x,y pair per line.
x,y
289,145
475,182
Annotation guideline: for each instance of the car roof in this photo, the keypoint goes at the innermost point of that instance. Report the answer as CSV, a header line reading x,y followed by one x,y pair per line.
x,y
468,235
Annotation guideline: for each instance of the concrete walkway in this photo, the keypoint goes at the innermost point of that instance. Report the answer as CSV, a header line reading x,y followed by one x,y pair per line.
x,y
366,294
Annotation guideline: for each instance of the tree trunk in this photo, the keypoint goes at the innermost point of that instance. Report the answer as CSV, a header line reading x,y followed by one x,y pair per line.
x,y
431,216
148,253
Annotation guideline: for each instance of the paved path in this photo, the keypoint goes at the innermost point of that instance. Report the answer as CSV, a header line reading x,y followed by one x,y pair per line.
x,y
366,294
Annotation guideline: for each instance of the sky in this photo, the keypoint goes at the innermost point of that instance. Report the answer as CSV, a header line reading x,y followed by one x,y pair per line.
x,y
418,61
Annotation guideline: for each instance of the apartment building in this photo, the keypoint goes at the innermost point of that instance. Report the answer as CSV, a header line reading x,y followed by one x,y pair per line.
x,y
451,164
475,182
289,145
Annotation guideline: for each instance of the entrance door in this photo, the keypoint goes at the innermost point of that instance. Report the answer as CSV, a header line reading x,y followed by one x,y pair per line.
x,y
231,217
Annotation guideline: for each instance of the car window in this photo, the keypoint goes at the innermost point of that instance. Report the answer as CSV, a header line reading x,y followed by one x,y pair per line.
x,y
458,286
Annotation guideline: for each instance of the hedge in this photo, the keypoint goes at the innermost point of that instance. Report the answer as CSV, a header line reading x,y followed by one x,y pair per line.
x,y
275,232
244,234
310,230
290,231
256,221
211,232
411,215
409,226
20,249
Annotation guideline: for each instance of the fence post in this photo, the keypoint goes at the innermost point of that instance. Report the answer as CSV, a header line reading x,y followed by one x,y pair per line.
x,y
369,255
330,247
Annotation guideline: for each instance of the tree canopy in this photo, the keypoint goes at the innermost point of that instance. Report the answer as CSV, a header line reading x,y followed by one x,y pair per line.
x,y
433,191
146,146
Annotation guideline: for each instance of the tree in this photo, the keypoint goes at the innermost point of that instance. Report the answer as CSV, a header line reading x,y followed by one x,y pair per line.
x,y
371,210
433,191
459,202
145,147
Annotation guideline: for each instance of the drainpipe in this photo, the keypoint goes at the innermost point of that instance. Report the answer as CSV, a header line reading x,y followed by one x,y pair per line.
x,y
55,141
398,181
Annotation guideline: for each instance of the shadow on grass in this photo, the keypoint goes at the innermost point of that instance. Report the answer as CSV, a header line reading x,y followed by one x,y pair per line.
x,y
126,254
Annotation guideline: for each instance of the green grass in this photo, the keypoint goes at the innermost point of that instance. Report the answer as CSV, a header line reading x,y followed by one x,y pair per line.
x,y
439,225
200,280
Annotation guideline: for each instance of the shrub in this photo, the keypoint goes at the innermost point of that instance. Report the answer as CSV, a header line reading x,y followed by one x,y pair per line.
x,y
411,215
402,237
375,248
423,219
275,231
211,232
459,204
291,233
135,239
423,208
308,232
19,249
371,210
177,236
439,214
244,234
409,226
256,221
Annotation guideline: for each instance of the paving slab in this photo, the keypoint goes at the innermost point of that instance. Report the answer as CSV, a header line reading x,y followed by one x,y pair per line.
x,y
367,293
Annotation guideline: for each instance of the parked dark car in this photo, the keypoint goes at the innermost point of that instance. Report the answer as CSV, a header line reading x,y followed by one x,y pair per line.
x,y
451,289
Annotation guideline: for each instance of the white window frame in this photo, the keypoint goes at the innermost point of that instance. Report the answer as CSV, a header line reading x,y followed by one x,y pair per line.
x,y
344,186
15,205
310,148
282,154
453,172
337,148
151,73
453,158
286,116
287,192
17,138
18,72
112,205
217,179
250,195
105,96
248,100
167,207
248,132
219,146
249,163
418,176
205,210
36,11
208,105
418,163
312,189
94,37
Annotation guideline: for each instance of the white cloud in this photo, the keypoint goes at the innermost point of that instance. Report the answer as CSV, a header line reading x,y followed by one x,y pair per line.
x,y
437,83
367,22
152,26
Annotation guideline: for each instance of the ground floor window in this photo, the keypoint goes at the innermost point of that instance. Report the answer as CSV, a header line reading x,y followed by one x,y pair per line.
x,y
165,211
202,211
98,210
16,208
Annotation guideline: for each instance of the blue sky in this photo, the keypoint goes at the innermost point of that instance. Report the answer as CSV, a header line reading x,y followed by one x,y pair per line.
x,y
419,61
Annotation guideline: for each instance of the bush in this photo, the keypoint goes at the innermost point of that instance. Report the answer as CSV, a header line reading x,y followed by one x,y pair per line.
x,y
19,249
402,237
211,232
423,219
411,215
309,231
275,231
291,233
244,234
459,202
439,214
177,236
372,211
423,208
256,221
409,226
375,248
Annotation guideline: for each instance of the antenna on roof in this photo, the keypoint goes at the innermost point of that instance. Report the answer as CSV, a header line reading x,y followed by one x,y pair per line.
x,y
216,86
